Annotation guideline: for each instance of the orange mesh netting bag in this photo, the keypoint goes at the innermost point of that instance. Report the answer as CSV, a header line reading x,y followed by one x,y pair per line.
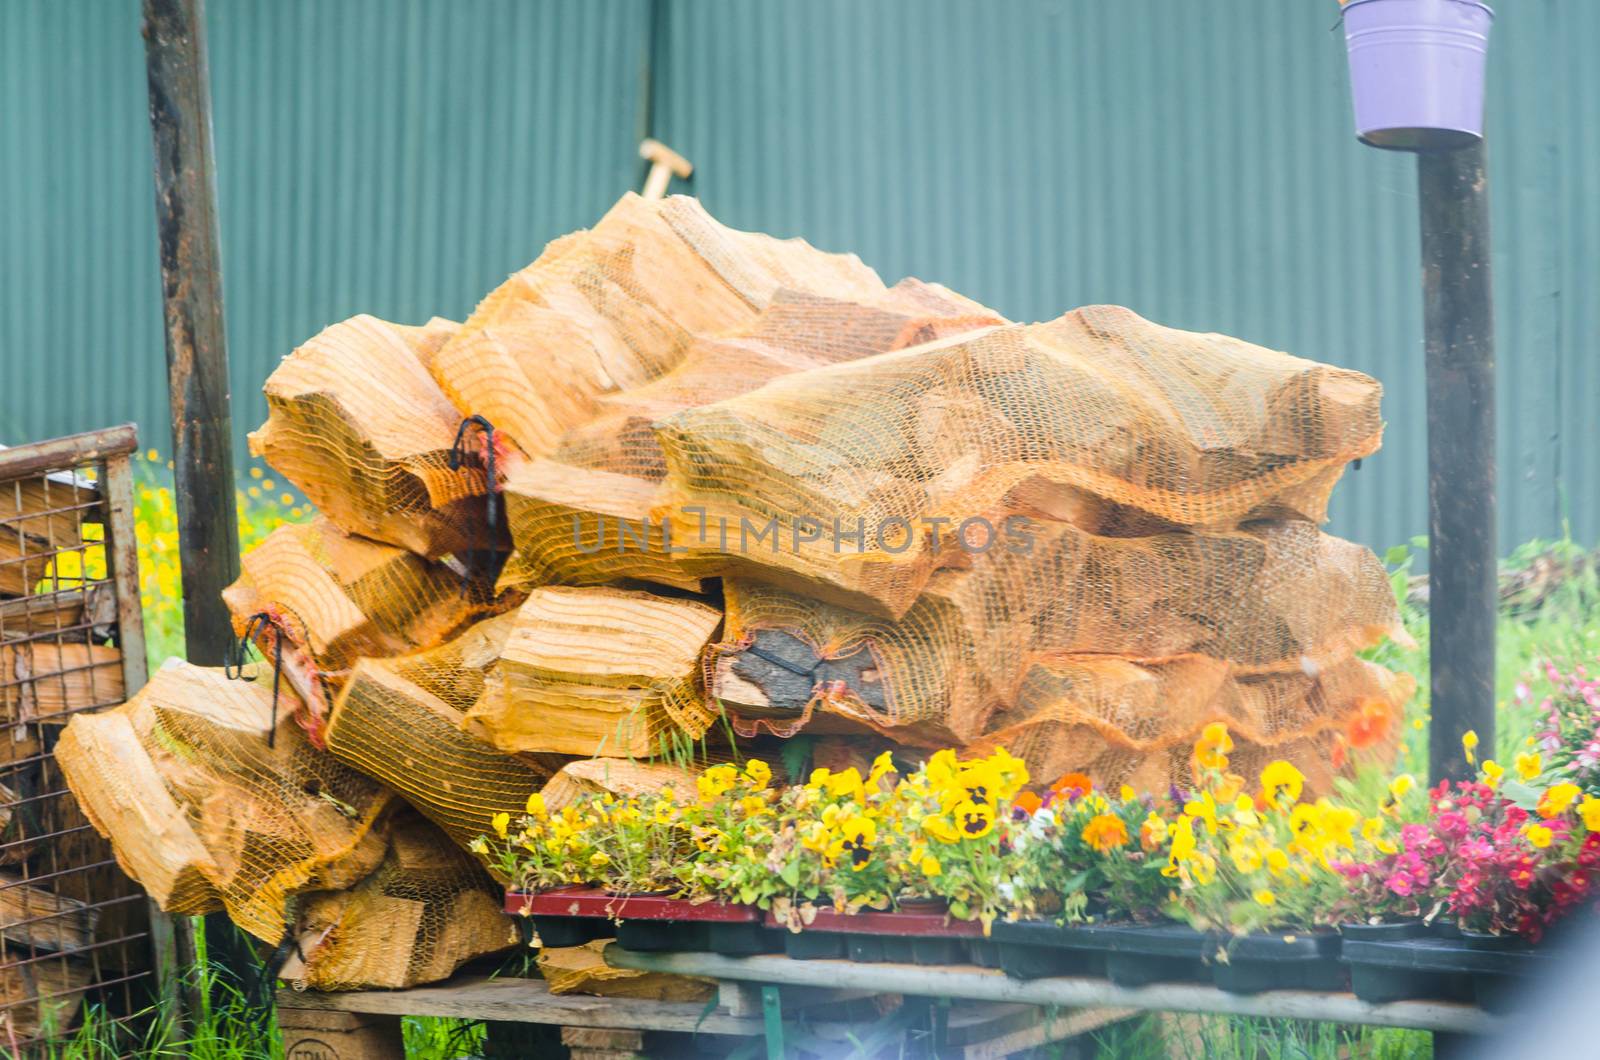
x,y
209,807
401,721
599,671
616,306
1120,721
356,421
568,514
336,597
1099,417
426,910
1268,597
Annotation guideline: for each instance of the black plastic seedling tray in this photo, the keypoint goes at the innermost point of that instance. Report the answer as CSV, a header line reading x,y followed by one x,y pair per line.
x,y
662,936
1127,954
556,932
1249,964
1448,969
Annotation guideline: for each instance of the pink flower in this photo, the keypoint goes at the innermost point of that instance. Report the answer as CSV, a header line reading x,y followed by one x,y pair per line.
x,y
1400,884
1451,825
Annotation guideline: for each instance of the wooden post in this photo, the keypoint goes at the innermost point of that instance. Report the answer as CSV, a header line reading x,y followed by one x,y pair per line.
x,y
1462,555
197,367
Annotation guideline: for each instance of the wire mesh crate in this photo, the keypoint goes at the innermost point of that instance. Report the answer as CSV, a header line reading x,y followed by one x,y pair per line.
x,y
73,927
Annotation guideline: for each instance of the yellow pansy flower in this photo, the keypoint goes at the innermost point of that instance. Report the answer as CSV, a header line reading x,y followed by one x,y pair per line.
x,y
1589,810
1281,778
1558,799
1529,765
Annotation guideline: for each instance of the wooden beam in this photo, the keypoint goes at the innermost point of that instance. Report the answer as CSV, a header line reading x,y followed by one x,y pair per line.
x,y
197,351
197,365
1458,318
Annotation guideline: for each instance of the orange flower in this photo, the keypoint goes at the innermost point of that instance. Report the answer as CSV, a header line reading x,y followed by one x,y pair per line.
x,y
1339,756
1072,785
1105,832
1027,802
1370,724
1211,749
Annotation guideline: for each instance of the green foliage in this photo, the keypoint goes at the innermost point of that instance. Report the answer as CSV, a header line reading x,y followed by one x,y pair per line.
x,y
263,506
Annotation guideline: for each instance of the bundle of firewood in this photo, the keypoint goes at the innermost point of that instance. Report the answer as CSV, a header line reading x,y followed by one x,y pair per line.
x,y
671,473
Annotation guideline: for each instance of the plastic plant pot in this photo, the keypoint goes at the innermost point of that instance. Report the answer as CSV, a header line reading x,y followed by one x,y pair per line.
x,y
865,949
1038,949
1137,954
741,939
1416,71
656,936
557,932
1280,962
813,945
1392,931
1444,969
935,950
985,953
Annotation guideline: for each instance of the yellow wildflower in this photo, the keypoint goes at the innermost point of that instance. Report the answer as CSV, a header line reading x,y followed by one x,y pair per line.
x,y
1492,772
1558,799
1529,766
1539,835
1265,898
974,819
1589,810
1153,832
501,823
940,828
1281,778
535,805
758,773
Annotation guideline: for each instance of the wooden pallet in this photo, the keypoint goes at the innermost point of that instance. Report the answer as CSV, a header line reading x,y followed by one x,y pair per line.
x,y
359,1025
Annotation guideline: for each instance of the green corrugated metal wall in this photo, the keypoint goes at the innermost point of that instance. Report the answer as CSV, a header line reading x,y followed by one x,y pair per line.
x,y
1193,161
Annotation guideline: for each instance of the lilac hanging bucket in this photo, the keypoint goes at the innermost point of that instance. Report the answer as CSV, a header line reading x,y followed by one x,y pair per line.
x,y
1416,71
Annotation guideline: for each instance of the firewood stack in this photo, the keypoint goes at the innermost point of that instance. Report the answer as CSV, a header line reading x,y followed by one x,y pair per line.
x,y
671,473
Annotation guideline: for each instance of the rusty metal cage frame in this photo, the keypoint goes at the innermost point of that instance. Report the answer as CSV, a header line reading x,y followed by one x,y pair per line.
x,y
71,640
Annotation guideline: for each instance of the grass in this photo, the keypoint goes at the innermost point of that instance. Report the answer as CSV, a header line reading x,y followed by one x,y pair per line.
x,y
1564,627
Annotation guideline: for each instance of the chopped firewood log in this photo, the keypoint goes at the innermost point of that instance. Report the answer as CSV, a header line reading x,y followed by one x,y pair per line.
x,y
37,517
33,918
58,612
427,340
45,681
41,997
583,970
599,671
1265,598
343,597
578,526
1123,721
425,911
619,776
360,426
589,514
208,805
1197,430
614,307
387,724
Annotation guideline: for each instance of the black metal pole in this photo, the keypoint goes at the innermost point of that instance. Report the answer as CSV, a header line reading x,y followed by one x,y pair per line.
x,y
197,376
1458,320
